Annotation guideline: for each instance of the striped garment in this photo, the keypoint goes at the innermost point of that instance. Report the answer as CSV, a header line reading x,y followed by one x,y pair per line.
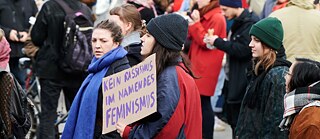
x,y
296,100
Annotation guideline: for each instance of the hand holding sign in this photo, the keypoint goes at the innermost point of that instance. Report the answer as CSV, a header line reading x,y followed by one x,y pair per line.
x,y
120,128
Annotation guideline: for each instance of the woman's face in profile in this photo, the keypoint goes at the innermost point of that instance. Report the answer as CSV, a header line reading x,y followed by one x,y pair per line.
x,y
148,42
257,48
102,42
288,77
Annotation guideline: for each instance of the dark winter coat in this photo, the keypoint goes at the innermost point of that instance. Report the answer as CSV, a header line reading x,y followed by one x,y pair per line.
x,y
261,120
15,14
47,33
239,55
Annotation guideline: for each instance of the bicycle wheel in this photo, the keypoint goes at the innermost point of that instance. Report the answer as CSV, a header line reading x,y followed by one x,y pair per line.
x,y
34,116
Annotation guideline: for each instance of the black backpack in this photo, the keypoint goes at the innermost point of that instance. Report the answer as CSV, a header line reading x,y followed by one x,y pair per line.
x,y
76,52
15,119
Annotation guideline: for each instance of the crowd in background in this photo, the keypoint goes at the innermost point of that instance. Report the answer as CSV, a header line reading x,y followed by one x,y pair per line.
x,y
230,59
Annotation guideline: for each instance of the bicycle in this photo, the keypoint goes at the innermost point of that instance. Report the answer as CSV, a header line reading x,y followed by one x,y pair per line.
x,y
32,90
33,96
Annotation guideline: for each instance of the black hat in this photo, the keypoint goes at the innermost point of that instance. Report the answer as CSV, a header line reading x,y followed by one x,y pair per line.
x,y
169,30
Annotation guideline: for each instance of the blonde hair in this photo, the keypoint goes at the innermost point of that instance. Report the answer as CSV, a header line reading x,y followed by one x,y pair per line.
x,y
266,61
128,13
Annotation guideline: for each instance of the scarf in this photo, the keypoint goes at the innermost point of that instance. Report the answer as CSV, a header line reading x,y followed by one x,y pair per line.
x,y
254,89
82,115
4,53
295,100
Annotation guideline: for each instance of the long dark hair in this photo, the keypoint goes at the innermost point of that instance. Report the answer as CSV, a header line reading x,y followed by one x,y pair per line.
x,y
304,73
166,57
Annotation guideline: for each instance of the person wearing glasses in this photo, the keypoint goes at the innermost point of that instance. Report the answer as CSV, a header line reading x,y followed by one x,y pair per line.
x,y
302,101
262,107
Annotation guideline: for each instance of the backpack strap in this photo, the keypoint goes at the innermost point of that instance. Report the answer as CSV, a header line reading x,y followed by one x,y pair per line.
x,y
66,8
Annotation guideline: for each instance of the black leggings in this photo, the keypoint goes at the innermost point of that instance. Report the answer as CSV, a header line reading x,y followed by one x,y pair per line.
x,y
207,118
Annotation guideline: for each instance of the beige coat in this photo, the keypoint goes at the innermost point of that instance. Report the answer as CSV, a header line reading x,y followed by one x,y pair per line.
x,y
301,30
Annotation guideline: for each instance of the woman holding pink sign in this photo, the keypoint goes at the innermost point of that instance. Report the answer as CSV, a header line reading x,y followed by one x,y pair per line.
x,y
178,100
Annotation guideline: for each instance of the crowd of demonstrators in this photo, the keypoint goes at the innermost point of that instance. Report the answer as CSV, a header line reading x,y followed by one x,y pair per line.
x,y
178,100
238,56
206,63
47,33
16,30
254,85
302,101
85,115
262,106
301,24
129,19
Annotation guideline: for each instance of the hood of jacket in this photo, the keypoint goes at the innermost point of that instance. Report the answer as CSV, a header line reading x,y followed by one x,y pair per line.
x,y
305,4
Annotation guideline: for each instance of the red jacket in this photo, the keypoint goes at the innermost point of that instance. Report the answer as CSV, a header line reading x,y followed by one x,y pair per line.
x,y
207,63
178,109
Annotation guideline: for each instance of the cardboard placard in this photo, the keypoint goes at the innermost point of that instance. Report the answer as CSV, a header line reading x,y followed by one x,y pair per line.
x,y
129,95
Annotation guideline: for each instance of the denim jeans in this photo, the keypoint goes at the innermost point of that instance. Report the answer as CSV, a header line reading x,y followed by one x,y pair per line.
x,y
217,100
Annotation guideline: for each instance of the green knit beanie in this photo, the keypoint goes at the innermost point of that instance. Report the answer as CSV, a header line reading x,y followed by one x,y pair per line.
x,y
268,31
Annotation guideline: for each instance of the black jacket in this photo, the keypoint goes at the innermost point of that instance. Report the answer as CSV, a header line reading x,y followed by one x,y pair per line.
x,y
132,43
115,67
47,33
15,14
239,55
134,55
